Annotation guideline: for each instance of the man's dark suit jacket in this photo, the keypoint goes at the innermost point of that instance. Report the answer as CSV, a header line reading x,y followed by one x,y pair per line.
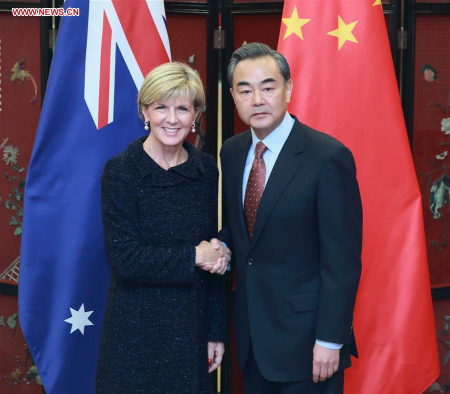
x,y
298,276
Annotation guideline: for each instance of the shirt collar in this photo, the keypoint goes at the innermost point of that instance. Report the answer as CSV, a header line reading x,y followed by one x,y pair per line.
x,y
276,139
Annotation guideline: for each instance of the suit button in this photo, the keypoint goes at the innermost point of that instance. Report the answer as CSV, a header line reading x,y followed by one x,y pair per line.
x,y
250,261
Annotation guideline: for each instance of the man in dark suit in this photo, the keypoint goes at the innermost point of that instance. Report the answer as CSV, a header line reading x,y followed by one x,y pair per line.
x,y
295,228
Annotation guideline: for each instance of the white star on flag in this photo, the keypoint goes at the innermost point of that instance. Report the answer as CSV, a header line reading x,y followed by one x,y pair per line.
x,y
79,319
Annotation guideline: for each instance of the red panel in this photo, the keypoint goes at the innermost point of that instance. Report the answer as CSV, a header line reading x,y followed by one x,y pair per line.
x,y
20,106
254,28
20,40
442,309
15,359
188,1
29,1
187,34
432,48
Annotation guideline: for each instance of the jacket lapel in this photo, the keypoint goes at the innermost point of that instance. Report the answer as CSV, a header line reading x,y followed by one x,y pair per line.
x,y
287,164
237,176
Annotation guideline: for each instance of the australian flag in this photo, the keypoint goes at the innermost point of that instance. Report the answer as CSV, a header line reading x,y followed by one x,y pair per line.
x,y
89,115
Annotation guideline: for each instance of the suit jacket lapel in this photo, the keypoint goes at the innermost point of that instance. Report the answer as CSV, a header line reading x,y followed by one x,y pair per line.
x,y
237,176
287,164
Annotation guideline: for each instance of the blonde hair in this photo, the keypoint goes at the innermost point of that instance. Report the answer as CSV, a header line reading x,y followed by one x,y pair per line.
x,y
171,80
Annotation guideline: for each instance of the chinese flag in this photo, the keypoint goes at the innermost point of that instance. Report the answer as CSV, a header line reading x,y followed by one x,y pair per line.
x,y
345,85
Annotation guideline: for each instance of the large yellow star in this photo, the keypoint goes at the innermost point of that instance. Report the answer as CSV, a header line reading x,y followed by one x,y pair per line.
x,y
294,24
344,32
377,2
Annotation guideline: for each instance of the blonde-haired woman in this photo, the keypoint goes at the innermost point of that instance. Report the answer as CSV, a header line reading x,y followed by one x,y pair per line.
x,y
164,323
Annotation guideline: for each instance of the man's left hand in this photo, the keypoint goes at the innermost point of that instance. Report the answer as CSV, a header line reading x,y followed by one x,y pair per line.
x,y
325,362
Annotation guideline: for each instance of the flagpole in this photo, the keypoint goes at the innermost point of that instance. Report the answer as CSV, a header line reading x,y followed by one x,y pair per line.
x,y
402,49
219,213
219,146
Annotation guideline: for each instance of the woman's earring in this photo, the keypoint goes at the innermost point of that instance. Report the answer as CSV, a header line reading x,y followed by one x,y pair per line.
x,y
193,128
147,125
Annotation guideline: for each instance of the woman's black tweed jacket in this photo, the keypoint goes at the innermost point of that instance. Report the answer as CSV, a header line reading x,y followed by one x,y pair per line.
x,y
161,309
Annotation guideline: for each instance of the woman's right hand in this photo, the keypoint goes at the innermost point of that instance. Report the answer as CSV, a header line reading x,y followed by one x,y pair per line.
x,y
212,256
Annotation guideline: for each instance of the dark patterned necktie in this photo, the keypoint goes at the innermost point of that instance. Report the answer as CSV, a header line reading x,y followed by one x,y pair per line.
x,y
255,187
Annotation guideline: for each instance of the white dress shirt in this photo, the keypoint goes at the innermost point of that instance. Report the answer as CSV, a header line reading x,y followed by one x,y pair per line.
x,y
274,142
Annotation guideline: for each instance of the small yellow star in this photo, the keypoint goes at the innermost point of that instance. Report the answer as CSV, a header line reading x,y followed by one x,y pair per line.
x,y
344,32
294,24
377,2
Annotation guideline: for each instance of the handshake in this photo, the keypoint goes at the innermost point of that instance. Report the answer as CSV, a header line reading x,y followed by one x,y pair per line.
x,y
212,256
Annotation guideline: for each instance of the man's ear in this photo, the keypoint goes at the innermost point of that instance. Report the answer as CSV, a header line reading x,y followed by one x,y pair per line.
x,y
289,87
232,94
